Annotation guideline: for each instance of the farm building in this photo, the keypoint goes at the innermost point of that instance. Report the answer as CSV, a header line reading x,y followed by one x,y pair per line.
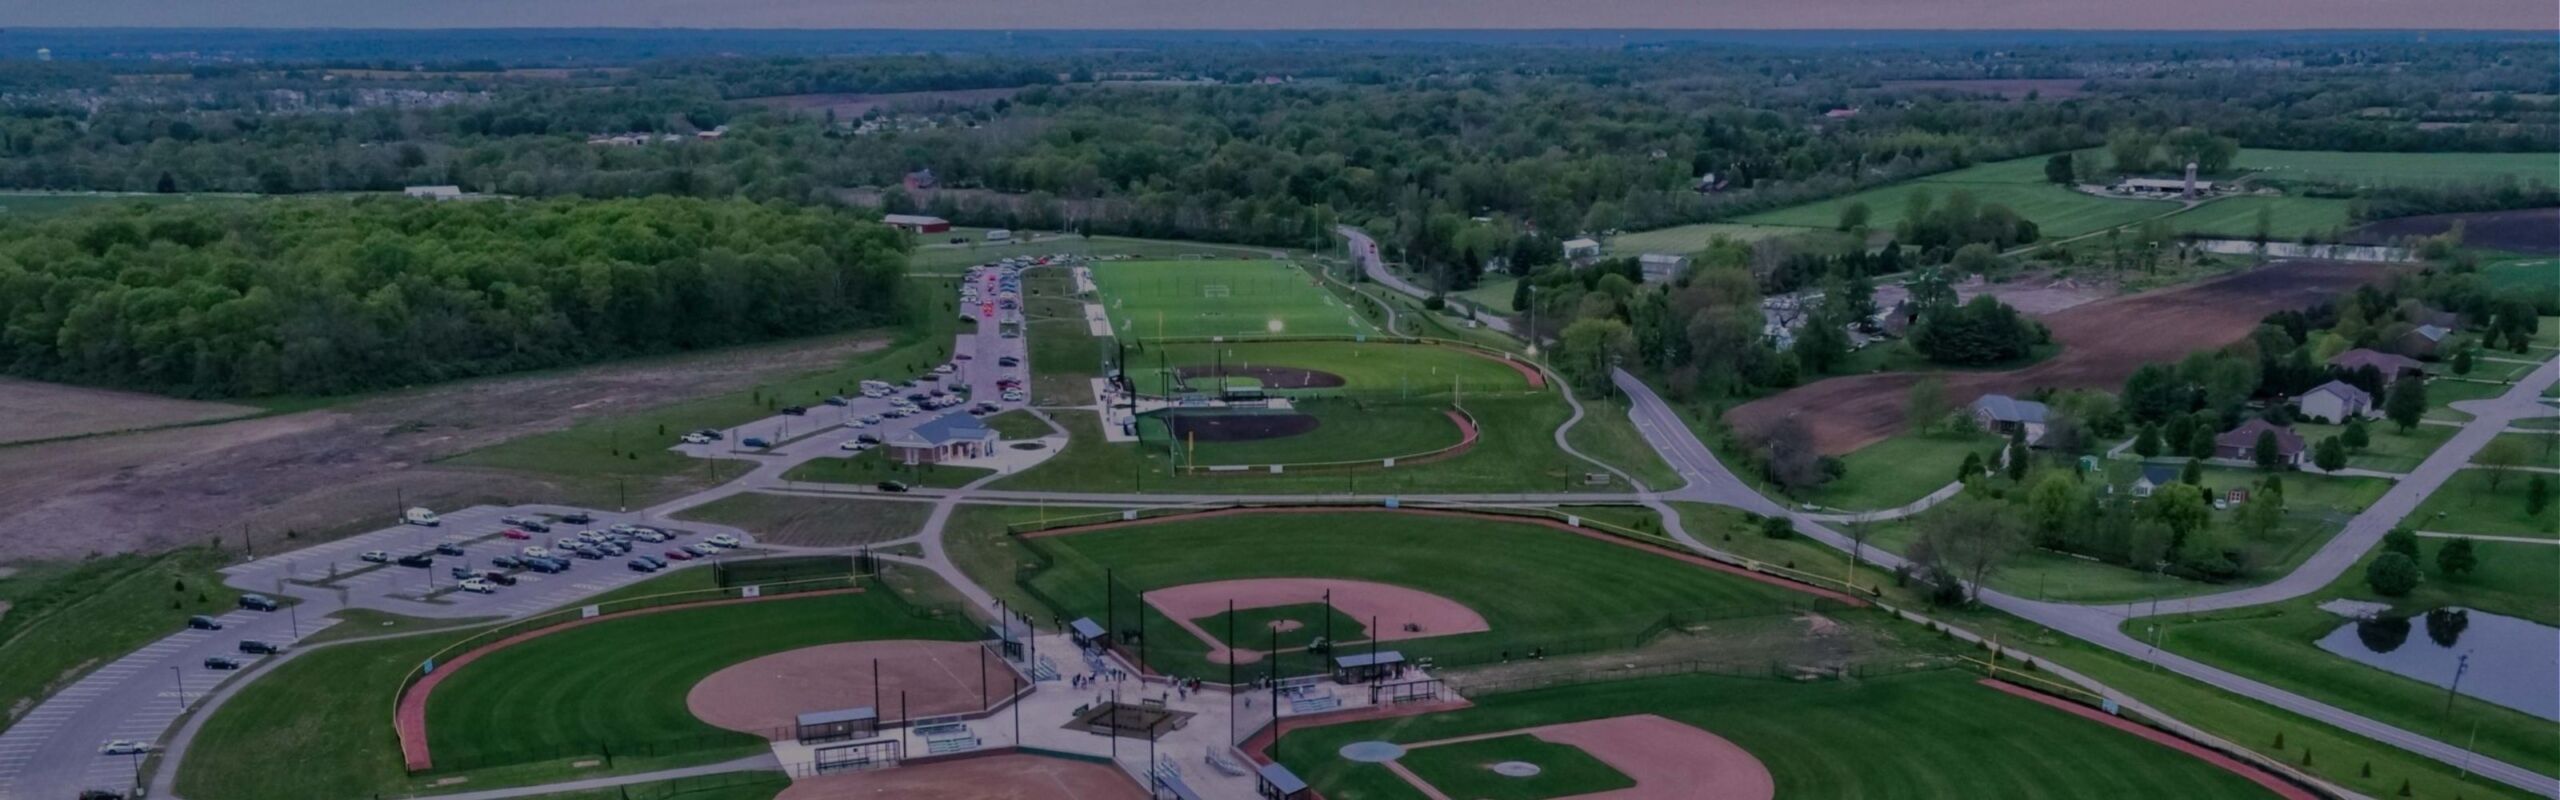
x,y
2164,187
2241,443
1663,267
944,438
913,223
2424,341
921,179
1580,250
446,192
2005,415
2390,365
2336,402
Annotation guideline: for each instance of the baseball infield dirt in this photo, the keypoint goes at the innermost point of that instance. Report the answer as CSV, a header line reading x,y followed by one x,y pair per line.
x,y
2102,344
1011,776
1392,606
1269,377
1668,760
763,696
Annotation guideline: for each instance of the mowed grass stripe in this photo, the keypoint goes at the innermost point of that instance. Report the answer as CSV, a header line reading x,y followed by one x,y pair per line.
x,y
1148,299
622,682
1933,735
1415,369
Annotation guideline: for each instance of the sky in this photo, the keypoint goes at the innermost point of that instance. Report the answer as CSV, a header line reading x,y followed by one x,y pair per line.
x,y
1296,14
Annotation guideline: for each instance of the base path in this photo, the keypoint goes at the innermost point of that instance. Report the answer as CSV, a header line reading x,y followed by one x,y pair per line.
x,y
1668,760
2255,775
1011,776
765,695
1392,606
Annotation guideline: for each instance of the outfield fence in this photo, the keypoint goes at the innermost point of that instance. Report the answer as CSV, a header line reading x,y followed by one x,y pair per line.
x,y
1771,670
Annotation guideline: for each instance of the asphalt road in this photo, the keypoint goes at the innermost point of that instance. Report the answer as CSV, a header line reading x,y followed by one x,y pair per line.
x,y
1364,250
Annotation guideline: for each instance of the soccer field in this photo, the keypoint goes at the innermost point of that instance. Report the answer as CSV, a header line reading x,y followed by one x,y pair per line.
x,y
1148,299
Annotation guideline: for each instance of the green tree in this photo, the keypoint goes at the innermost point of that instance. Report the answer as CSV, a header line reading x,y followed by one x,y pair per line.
x,y
2330,455
2406,403
2501,456
1777,526
1971,468
2182,507
2200,442
2392,575
2054,502
2057,169
1972,536
2462,362
2147,443
2400,540
2537,496
2019,457
2357,436
2455,559
2264,513
1590,347
1520,295
2192,474
1823,344
2265,452
1854,215
1926,405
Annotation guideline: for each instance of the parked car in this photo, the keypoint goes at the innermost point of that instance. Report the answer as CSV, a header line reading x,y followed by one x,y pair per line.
x,y
567,543
651,535
795,410
943,369
755,442
700,549
258,602
204,623
462,573
258,648
517,534
854,445
655,563
863,421
375,557
678,554
478,586
695,438
506,562
499,578
221,662
418,560
640,565
420,516
123,747
577,518
449,548
546,566
588,553
724,540
537,551
1008,361
838,400
591,536
534,527
712,434
892,486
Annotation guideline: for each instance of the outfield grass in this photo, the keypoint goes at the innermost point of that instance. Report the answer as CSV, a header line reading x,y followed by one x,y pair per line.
x,y
1901,470
2277,644
1534,586
813,521
2387,448
1346,430
65,619
2057,211
330,708
1149,299
873,466
1365,367
2395,169
620,684
1685,240
1933,734
2288,218
2466,504
1464,769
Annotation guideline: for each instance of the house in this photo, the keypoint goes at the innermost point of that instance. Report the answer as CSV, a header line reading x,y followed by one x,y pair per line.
x,y
913,223
2241,443
2391,366
945,438
1579,250
2336,402
434,192
2424,341
2443,319
714,133
1841,113
921,179
2153,477
2005,415
1663,267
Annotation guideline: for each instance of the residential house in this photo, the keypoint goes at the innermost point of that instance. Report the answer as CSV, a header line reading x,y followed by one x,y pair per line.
x,y
2153,477
1663,267
2241,443
2005,415
1581,250
2336,402
2392,366
1897,321
2424,341
945,438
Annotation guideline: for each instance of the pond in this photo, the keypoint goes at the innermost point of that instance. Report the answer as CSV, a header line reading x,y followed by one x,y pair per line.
x,y
2512,662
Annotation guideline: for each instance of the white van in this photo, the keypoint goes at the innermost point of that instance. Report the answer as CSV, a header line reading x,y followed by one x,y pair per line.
x,y
999,235
420,516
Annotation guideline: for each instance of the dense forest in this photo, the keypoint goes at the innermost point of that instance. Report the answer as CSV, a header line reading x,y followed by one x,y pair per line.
x,y
224,299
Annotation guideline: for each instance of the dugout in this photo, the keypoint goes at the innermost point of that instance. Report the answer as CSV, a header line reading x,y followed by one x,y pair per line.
x,y
1365,667
838,725
1086,633
1275,782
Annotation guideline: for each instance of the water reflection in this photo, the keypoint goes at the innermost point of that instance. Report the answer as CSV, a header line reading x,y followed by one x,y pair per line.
x,y
2512,662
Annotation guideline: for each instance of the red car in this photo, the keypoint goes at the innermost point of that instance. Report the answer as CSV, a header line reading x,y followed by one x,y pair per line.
x,y
678,555
512,533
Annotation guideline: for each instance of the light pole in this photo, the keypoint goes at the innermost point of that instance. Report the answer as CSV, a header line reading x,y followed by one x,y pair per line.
x,y
180,677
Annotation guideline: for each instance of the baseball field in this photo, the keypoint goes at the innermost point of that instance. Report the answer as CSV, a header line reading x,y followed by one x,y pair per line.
x,y
1219,297
1326,367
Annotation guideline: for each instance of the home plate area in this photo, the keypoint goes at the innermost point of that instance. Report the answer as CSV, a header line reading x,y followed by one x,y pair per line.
x,y
1640,757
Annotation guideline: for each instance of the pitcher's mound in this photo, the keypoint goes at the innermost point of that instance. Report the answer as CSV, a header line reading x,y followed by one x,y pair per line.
x,y
764,696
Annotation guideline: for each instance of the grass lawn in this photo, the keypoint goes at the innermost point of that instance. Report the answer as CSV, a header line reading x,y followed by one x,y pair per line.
x,y
1533,585
724,786
331,709
1148,299
2393,169
1379,368
1493,292
1932,734
1346,430
1607,434
2540,449
1307,622
874,466
2288,218
1686,239
813,521
620,685
1464,769
2276,644
2057,211
1065,358
1516,452
65,619
1017,425
2466,504
2387,448
1902,469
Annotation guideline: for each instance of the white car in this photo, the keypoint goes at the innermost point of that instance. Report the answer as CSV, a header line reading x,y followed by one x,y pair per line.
x,y
123,747
696,438
375,556
851,444
650,535
536,551
859,422
943,369
723,540
1013,395
478,586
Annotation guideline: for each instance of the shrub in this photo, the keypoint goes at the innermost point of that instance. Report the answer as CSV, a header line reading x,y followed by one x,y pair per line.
x,y
2392,575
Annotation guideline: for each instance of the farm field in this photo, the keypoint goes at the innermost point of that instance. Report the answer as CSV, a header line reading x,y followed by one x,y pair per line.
x,y
1148,299
1929,734
812,521
2287,217
2532,273
1686,239
2396,169
2017,183
1530,583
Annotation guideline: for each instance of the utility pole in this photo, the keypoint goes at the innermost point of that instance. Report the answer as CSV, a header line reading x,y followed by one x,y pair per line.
x,y
2461,664
181,678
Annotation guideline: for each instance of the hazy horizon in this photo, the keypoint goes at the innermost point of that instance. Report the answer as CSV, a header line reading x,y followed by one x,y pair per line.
x,y
1166,15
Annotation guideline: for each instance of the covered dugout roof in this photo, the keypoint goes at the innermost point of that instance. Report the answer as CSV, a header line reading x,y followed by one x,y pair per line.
x,y
840,715
1368,659
1085,627
1281,779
